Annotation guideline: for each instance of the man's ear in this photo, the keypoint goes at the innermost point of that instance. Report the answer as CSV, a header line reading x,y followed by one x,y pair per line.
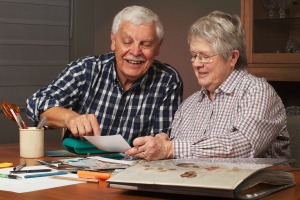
x,y
113,41
158,47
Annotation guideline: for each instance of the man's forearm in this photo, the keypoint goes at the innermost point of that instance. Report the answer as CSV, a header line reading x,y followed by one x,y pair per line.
x,y
57,116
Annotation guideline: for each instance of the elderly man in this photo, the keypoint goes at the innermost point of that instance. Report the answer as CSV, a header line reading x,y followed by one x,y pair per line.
x,y
124,92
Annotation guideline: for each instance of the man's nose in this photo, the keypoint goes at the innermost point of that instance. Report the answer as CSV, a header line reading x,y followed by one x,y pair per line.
x,y
136,49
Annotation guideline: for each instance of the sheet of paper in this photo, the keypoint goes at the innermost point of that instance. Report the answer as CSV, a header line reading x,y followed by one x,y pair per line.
x,y
32,184
111,143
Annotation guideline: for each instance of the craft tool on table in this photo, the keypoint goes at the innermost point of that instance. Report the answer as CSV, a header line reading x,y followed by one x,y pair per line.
x,y
91,174
31,171
12,112
51,165
88,180
45,174
5,164
19,167
10,176
42,123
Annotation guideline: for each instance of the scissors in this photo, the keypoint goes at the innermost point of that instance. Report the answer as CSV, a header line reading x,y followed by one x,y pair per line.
x,y
12,112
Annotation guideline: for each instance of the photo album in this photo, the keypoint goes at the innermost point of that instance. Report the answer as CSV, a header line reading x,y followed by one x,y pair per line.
x,y
232,178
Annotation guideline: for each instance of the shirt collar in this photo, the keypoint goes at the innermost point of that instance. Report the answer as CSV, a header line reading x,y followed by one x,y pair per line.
x,y
232,81
228,85
141,82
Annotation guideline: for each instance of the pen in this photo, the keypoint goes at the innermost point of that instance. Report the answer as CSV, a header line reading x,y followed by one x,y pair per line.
x,y
10,176
97,175
45,174
42,162
19,167
88,180
47,164
30,171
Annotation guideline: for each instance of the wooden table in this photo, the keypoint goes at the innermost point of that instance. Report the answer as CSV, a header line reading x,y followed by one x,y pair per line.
x,y
10,153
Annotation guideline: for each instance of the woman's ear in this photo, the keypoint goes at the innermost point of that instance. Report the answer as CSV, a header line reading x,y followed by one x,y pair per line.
x,y
234,57
235,54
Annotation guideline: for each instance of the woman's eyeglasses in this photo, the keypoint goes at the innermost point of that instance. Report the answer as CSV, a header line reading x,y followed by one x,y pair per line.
x,y
202,58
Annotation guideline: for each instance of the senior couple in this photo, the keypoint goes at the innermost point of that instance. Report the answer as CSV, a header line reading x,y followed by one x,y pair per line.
x,y
128,92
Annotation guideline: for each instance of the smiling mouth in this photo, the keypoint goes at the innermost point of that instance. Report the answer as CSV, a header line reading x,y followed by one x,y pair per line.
x,y
135,62
202,74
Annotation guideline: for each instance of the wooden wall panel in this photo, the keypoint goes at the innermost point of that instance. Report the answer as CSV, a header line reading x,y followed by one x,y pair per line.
x,y
34,48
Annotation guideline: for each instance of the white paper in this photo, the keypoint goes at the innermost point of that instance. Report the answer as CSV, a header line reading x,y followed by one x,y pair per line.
x,y
111,143
32,184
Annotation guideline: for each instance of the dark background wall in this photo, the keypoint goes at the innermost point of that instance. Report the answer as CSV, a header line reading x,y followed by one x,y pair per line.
x,y
176,16
90,26
34,48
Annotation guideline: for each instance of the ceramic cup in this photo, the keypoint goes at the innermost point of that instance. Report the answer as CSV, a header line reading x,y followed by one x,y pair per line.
x,y
31,142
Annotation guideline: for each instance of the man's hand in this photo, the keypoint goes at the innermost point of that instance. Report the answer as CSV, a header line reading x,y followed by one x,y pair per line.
x,y
81,125
152,148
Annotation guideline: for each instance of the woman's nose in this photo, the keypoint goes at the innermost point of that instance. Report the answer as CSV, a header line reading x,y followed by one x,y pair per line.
x,y
197,63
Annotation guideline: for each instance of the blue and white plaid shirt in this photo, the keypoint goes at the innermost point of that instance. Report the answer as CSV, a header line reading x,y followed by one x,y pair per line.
x,y
90,85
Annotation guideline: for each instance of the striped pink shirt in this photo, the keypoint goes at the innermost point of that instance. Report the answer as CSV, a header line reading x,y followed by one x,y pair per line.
x,y
245,119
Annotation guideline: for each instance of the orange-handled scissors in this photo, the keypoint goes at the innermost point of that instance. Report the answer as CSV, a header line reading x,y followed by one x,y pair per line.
x,y
12,111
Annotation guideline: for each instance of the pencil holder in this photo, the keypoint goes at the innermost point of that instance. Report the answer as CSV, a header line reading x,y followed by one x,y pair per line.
x,y
31,142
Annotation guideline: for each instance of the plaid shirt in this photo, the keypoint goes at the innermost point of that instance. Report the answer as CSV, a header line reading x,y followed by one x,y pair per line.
x,y
245,119
90,85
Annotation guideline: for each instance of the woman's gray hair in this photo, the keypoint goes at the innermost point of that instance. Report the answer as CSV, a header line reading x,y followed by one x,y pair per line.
x,y
138,15
224,32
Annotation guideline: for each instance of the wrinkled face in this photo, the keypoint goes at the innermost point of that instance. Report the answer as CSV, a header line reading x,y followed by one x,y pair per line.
x,y
212,74
135,47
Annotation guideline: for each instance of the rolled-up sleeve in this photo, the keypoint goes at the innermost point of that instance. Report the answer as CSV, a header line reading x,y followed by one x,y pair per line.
x,y
63,92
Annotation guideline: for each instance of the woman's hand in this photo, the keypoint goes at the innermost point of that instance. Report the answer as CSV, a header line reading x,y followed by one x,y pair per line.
x,y
152,148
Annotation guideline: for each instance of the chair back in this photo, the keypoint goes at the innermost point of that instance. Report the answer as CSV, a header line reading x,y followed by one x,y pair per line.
x,y
293,126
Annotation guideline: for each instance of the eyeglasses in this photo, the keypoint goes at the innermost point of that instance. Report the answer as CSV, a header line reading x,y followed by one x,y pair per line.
x,y
202,58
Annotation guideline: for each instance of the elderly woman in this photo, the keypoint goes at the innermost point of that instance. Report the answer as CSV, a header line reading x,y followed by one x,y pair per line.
x,y
234,114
